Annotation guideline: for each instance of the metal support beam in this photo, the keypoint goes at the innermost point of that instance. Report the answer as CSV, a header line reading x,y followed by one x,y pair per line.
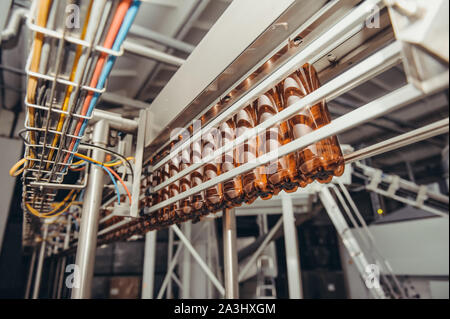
x,y
148,277
347,237
87,240
152,54
30,273
186,265
120,100
138,157
160,38
173,261
116,121
169,261
64,259
230,254
200,261
168,277
37,280
414,136
260,249
291,246
56,276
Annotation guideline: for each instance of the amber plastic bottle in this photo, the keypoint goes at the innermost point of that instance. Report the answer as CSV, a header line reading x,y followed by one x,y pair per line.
x,y
322,160
164,194
174,188
233,192
185,183
196,177
255,181
281,173
213,195
156,178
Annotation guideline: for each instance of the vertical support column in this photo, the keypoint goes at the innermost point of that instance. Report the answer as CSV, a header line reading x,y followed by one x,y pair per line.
x,y
148,277
186,270
291,246
64,259
209,257
138,157
57,268
30,273
87,240
37,280
169,261
230,254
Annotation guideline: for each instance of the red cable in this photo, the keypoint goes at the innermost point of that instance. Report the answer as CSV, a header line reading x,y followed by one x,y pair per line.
x,y
109,41
121,181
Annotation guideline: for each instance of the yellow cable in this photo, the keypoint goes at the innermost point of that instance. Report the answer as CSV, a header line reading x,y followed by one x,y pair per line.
x,y
14,170
119,162
70,88
115,163
100,163
58,206
44,8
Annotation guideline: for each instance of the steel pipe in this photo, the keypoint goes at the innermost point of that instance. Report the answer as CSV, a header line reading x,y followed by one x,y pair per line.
x,y
291,247
30,273
417,135
115,121
87,239
152,54
230,254
40,265
64,258
123,100
148,276
157,37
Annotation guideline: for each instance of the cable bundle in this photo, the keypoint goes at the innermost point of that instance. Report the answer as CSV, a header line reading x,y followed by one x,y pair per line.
x,y
74,48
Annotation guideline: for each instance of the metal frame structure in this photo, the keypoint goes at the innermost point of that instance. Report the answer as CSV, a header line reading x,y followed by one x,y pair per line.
x,y
150,138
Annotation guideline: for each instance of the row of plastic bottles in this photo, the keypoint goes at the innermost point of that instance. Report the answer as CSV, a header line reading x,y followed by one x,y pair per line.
x,y
319,161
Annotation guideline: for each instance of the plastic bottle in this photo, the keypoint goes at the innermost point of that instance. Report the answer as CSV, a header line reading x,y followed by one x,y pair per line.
x,y
323,159
232,189
213,196
174,187
163,216
281,173
196,177
185,183
254,182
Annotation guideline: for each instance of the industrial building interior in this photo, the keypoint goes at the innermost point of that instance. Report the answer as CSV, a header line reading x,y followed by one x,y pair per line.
x,y
208,149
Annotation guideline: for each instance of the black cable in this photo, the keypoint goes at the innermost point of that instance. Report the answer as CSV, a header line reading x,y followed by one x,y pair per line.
x,y
113,153
2,84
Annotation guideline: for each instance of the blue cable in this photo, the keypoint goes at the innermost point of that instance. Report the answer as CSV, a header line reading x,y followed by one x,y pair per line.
x,y
113,180
110,175
121,35
78,166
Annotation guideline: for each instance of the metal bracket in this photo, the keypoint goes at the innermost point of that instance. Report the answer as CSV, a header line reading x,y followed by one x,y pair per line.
x,y
421,195
140,143
422,27
395,185
376,179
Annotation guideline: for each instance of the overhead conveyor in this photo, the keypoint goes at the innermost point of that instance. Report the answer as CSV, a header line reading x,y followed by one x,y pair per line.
x,y
349,43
